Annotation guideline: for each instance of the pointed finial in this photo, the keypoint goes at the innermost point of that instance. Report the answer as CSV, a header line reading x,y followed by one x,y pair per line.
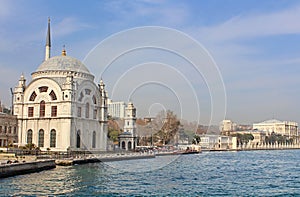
x,y
64,52
48,42
22,76
48,39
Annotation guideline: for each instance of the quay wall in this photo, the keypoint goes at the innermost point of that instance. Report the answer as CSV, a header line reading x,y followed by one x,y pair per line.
x,y
254,147
8,170
103,158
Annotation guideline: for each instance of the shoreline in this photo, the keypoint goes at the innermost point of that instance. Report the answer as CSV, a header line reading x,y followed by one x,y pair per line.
x,y
14,169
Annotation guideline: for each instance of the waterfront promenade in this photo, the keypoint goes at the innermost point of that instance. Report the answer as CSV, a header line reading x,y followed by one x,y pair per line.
x,y
268,146
13,166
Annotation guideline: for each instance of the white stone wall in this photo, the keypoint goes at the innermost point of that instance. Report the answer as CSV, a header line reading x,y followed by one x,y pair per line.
x,y
72,90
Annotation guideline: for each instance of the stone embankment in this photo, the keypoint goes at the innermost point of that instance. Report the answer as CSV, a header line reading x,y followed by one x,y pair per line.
x,y
102,158
13,169
12,166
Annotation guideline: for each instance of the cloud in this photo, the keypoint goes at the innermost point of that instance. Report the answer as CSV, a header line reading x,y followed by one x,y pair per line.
x,y
154,12
6,10
255,25
68,25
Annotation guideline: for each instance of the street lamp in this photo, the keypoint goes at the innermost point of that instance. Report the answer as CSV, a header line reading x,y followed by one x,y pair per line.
x,y
6,142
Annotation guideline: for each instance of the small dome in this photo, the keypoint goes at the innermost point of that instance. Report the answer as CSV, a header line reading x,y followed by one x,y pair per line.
x,y
63,63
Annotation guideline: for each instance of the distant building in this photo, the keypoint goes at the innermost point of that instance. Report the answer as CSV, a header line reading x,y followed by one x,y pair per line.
x,y
259,136
217,142
285,128
128,139
4,109
243,127
181,138
8,130
226,126
116,109
148,119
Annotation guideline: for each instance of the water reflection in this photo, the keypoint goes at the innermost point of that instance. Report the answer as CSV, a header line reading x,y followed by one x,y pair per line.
x,y
60,180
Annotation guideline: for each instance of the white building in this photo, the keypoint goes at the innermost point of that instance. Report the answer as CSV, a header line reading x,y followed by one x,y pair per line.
x,y
259,136
116,109
227,126
61,108
286,128
127,139
217,142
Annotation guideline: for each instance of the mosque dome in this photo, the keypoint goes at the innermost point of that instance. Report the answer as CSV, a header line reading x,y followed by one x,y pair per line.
x,y
63,63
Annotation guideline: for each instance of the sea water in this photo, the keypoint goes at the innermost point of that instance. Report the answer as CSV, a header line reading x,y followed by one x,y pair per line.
x,y
243,173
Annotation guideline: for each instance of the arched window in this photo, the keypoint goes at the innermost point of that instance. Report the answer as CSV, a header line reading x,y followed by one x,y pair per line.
x,y
129,145
123,145
53,95
94,140
29,136
94,100
41,138
53,138
42,108
87,110
32,96
78,139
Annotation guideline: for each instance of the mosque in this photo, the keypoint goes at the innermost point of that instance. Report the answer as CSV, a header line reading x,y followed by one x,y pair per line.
x,y
61,108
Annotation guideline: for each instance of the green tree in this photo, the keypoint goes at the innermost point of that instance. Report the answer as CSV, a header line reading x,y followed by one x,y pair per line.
x,y
196,139
113,135
273,138
243,138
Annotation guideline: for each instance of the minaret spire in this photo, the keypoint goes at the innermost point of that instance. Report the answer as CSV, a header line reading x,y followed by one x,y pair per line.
x,y
48,42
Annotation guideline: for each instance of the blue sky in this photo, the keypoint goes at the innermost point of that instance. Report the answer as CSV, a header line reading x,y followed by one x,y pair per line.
x,y
255,45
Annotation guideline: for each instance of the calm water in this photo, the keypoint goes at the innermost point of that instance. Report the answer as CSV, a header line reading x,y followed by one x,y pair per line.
x,y
255,173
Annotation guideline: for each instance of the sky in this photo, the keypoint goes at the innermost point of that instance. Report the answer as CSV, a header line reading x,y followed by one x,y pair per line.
x,y
245,53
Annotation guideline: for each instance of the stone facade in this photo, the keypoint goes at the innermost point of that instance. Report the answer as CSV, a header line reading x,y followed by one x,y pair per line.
x,y
217,142
128,139
61,108
285,128
227,126
8,130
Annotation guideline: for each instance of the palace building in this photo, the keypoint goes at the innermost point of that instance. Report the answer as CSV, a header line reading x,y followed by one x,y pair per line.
x,y
285,128
61,108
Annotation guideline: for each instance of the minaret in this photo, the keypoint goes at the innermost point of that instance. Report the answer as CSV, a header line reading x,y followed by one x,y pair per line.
x,y
48,42
103,104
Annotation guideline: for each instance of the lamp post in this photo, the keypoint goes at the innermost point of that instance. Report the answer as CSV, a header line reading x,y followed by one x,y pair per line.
x,y
6,142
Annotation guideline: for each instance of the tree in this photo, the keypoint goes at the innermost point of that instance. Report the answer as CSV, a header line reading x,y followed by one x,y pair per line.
x,y
30,146
113,130
243,138
277,138
169,128
113,135
196,139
